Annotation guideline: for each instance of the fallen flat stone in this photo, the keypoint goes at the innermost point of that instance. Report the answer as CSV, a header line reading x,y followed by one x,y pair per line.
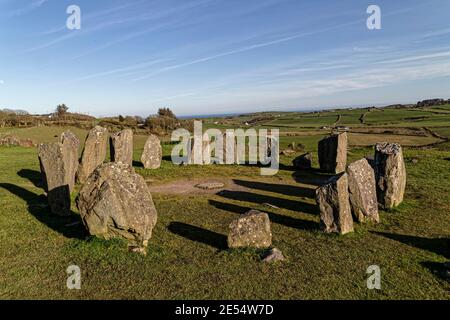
x,y
121,147
152,155
333,153
210,185
362,191
116,202
390,174
55,177
251,229
94,152
70,145
333,201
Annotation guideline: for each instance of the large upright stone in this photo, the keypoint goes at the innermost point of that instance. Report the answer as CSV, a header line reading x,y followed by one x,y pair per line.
x,y
121,147
333,201
362,191
116,202
199,152
94,152
70,145
230,150
55,176
390,174
251,229
333,153
152,155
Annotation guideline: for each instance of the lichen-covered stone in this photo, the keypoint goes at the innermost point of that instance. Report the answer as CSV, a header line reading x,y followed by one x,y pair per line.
x,y
94,152
251,229
70,145
152,155
55,177
121,147
333,201
333,153
390,174
116,202
362,191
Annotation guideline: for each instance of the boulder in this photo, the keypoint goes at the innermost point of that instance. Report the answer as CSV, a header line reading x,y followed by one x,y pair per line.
x,y
333,201
55,177
333,153
251,229
121,147
152,155
94,152
362,191
70,145
303,162
390,174
116,202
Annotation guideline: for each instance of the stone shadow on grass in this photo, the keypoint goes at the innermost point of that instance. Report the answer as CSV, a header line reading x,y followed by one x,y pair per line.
x,y
274,217
197,234
292,205
437,269
34,176
439,246
137,164
290,190
70,226
312,176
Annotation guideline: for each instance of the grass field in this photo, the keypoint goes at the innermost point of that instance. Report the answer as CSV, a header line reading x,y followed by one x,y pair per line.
x,y
187,255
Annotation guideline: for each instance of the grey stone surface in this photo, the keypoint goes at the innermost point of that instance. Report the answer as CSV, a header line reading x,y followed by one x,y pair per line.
x,y
152,155
70,145
55,177
334,205
333,153
362,191
121,147
116,202
390,174
94,152
251,229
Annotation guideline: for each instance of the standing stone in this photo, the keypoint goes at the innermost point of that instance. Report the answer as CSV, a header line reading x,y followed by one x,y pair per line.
x,y
121,147
362,191
94,152
204,154
333,201
390,174
70,145
116,202
303,162
333,153
251,229
152,155
230,151
55,176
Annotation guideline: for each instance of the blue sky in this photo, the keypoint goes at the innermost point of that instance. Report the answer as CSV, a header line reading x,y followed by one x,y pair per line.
x,y
220,56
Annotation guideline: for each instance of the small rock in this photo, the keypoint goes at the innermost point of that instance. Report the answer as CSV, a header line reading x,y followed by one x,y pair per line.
x,y
140,250
273,255
210,185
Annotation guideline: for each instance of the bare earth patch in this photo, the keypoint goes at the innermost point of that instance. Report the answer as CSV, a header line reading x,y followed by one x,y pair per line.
x,y
188,187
